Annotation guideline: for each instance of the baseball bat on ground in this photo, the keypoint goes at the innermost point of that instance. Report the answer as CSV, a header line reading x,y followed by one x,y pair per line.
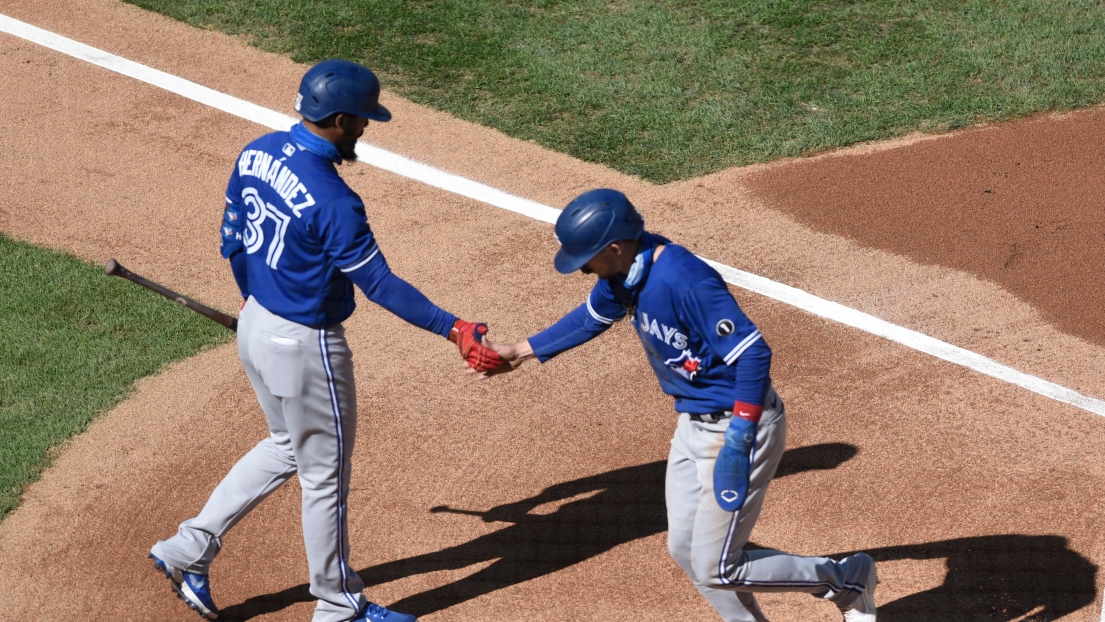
x,y
114,268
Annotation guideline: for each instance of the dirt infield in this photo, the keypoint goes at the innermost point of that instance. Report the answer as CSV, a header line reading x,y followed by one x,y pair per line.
x,y
982,501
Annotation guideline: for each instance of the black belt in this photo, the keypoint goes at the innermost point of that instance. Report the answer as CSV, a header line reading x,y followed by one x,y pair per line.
x,y
714,417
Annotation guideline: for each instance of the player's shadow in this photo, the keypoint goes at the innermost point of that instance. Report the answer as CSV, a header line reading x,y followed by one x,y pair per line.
x,y
995,579
586,517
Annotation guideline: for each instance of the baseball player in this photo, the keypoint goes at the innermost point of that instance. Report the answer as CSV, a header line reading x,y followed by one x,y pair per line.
x,y
298,240
731,430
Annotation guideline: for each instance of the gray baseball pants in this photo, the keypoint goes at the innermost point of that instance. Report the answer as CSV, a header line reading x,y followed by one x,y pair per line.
x,y
303,378
708,542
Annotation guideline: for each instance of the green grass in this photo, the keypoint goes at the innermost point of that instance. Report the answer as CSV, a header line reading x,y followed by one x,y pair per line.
x,y
72,343
670,89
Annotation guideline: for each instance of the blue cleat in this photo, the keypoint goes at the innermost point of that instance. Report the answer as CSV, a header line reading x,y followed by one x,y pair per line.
x,y
376,613
194,589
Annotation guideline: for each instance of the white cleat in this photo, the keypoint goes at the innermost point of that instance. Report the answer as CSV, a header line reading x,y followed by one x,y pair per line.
x,y
863,610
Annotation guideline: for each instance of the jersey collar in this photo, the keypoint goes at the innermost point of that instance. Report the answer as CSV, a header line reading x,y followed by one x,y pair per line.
x,y
642,263
632,285
315,144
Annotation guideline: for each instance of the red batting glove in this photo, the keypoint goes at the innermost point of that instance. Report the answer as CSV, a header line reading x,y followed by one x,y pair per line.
x,y
469,337
748,412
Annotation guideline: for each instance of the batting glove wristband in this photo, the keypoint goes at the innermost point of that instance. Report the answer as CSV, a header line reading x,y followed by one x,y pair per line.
x,y
469,339
748,412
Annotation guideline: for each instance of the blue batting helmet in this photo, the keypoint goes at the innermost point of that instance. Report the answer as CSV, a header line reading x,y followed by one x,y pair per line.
x,y
334,86
592,221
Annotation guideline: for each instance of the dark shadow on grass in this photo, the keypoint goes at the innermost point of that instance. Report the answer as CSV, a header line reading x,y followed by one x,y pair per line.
x,y
595,514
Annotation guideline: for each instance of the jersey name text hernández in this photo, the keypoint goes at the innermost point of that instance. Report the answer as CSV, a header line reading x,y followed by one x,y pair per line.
x,y
271,170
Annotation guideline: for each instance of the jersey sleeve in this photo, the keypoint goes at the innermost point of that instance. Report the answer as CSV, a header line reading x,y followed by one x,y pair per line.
x,y
241,273
714,315
603,305
582,324
345,235
233,218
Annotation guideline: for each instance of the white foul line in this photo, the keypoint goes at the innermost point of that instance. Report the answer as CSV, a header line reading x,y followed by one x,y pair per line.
x,y
474,190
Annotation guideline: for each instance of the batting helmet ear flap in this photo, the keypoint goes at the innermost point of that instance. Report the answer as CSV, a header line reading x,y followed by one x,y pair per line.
x,y
592,221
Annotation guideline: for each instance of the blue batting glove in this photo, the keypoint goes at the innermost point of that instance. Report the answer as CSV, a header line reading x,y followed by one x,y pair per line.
x,y
734,463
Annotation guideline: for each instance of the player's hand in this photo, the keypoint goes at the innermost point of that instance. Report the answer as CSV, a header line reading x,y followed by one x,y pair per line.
x,y
469,337
733,466
512,356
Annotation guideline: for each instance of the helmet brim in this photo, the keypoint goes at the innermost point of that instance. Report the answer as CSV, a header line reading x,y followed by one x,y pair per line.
x,y
380,114
567,263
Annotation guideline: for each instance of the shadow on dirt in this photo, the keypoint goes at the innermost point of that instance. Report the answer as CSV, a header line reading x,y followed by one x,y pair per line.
x,y
995,579
589,516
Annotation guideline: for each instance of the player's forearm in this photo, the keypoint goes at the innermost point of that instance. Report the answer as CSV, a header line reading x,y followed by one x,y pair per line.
x,y
575,328
415,308
389,291
753,373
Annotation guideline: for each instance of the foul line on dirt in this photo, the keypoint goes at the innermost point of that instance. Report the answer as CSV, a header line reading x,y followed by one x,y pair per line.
x,y
429,175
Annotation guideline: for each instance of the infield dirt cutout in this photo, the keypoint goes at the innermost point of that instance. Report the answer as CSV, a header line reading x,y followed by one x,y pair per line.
x,y
981,501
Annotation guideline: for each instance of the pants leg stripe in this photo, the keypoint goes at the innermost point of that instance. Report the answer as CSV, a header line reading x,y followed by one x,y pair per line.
x,y
335,406
725,548
851,587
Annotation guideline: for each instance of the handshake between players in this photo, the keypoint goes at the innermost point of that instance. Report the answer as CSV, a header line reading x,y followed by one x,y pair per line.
x,y
469,339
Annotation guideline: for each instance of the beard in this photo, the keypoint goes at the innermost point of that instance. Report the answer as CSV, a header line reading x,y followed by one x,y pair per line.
x,y
348,150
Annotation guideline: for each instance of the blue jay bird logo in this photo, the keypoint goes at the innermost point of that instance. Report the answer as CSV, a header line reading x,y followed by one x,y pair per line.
x,y
685,364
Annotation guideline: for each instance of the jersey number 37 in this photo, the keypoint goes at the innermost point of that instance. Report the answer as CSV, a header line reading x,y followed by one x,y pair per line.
x,y
258,212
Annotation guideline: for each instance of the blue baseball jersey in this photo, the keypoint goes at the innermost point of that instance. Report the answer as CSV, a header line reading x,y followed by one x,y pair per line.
x,y
301,227
705,351
298,238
